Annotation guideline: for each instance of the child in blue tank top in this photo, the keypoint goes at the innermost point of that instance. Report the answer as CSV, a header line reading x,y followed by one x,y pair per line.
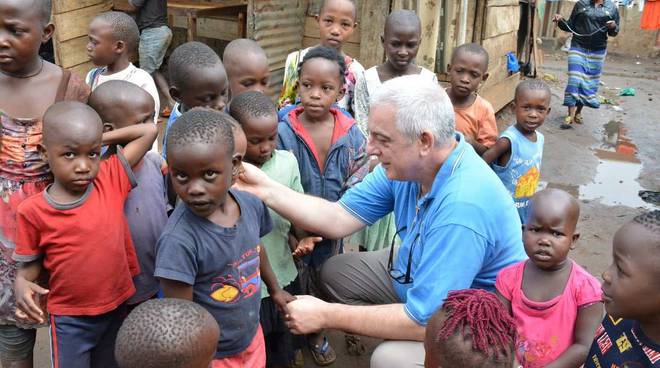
x,y
516,156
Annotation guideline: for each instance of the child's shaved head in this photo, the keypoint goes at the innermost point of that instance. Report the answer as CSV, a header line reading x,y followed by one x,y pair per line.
x,y
201,125
116,100
471,330
190,58
123,28
352,2
238,48
471,48
167,333
70,120
402,19
532,85
247,66
559,202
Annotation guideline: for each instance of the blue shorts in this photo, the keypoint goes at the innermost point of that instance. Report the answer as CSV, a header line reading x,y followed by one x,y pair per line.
x,y
153,46
16,344
85,341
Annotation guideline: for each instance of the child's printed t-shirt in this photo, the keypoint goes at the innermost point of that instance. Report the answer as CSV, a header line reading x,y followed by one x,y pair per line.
x,y
146,212
546,329
521,174
477,122
86,245
283,168
222,266
620,343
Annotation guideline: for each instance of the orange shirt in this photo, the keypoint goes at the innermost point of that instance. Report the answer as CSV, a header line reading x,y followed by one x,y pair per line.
x,y
478,122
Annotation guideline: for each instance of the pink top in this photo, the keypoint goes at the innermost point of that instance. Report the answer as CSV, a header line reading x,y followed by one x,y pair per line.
x,y
546,329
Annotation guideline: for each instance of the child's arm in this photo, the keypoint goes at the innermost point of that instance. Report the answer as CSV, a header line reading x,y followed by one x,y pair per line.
x,y
500,151
280,296
585,328
478,147
176,289
137,140
26,292
305,246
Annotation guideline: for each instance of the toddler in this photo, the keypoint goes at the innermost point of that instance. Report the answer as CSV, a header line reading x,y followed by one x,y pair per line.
x,y
475,117
247,66
337,21
198,79
516,156
210,251
629,335
28,86
164,333
121,104
471,330
555,303
76,230
113,39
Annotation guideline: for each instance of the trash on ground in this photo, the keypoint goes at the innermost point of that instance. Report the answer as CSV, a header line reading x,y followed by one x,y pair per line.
x,y
628,91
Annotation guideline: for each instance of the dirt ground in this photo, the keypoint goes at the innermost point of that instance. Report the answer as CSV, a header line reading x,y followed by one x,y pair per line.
x,y
604,162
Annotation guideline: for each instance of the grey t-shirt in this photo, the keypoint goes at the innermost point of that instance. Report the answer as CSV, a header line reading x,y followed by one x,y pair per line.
x,y
222,265
151,13
146,212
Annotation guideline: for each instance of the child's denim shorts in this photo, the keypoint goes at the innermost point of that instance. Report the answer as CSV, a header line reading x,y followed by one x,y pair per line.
x,y
16,343
153,46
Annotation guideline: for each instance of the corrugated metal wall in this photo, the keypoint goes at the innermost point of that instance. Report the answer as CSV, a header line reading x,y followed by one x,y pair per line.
x,y
277,25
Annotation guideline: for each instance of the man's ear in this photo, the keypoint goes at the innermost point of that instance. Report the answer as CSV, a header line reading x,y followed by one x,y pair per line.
x,y
426,142
107,127
47,32
176,95
576,237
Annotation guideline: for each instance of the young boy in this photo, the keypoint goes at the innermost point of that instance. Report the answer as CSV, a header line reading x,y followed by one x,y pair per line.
x,y
197,79
247,66
113,38
475,117
76,230
167,333
471,330
210,252
326,144
629,336
121,104
258,117
337,22
516,156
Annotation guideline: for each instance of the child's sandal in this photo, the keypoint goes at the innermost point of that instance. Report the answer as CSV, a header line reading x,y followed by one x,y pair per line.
x,y
323,354
578,119
567,124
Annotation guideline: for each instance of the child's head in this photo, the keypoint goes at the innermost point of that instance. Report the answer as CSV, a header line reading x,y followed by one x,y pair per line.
x,y
631,285
320,80
468,68
72,144
24,25
112,35
337,21
197,77
550,230
531,104
401,38
200,156
120,104
473,329
247,66
167,333
258,117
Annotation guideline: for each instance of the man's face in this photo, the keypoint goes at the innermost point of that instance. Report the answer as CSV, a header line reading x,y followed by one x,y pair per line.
x,y
397,154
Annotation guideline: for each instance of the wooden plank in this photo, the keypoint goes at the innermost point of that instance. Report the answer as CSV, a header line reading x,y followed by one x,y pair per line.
x,y
374,13
477,35
73,52
497,72
351,49
75,23
500,94
503,3
224,28
501,19
312,30
429,14
64,6
501,44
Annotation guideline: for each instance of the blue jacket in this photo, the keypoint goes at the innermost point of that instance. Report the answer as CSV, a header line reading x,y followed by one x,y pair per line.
x,y
343,156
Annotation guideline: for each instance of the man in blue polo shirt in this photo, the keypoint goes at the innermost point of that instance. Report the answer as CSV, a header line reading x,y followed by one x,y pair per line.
x,y
457,222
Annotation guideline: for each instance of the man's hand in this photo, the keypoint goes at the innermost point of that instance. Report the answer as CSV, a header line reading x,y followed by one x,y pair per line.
x,y
252,180
27,294
281,298
557,17
306,315
610,24
306,246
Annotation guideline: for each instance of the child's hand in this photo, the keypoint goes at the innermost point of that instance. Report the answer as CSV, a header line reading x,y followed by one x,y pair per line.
x,y
26,300
557,17
281,298
306,246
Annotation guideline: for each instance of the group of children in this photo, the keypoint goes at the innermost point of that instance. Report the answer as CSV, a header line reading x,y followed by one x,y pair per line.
x,y
100,222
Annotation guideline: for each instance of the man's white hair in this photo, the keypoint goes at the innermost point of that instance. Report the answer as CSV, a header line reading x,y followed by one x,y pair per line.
x,y
420,104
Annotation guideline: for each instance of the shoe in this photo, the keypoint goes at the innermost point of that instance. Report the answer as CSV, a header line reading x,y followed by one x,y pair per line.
x,y
567,124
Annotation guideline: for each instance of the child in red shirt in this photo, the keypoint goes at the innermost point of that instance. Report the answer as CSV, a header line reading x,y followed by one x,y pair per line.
x,y
77,231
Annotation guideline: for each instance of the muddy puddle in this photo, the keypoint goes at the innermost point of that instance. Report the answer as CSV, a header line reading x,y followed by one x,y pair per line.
x,y
618,168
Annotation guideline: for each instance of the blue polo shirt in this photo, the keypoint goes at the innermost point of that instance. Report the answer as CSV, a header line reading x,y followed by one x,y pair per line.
x,y
461,233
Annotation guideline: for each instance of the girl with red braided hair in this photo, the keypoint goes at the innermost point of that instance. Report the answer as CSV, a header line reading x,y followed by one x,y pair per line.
x,y
472,329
